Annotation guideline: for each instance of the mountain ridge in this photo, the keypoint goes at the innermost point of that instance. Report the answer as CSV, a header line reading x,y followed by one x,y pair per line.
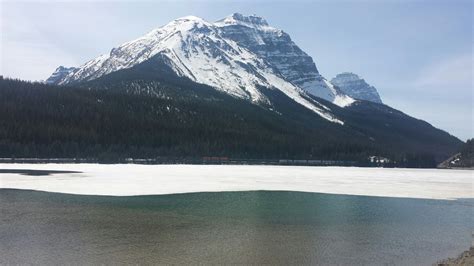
x,y
200,50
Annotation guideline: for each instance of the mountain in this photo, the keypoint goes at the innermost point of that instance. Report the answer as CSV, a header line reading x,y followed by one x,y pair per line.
x,y
59,74
356,87
208,53
234,88
276,47
230,48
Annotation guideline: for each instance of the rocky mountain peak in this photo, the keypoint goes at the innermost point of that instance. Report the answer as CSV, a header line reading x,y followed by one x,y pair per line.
x,y
276,47
59,74
347,76
356,87
239,19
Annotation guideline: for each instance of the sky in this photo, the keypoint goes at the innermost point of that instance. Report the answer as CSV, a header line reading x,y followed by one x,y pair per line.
x,y
418,54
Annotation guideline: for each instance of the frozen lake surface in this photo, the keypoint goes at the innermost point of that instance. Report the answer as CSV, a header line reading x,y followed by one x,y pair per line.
x,y
132,180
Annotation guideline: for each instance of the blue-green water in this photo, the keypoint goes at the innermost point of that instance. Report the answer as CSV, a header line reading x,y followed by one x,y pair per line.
x,y
231,227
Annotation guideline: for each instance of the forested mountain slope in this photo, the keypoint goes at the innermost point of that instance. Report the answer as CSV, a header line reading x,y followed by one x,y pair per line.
x,y
149,115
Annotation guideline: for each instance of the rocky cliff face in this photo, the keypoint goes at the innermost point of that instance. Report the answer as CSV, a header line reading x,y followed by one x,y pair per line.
x,y
276,47
356,87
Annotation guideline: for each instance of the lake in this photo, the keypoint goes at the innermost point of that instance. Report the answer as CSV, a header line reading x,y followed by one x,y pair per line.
x,y
248,227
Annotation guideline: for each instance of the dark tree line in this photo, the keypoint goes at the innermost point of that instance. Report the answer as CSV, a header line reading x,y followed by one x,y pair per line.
x,y
38,120
467,154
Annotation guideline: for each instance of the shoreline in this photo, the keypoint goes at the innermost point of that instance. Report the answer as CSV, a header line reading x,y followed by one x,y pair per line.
x,y
464,259
215,161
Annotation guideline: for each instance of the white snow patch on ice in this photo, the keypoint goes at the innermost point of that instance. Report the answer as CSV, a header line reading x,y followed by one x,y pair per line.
x,y
129,179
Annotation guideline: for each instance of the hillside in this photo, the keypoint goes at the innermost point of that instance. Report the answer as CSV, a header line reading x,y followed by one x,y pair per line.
x,y
185,119
464,158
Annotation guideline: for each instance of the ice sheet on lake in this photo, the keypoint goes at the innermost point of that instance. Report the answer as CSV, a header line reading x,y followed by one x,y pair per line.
x,y
130,179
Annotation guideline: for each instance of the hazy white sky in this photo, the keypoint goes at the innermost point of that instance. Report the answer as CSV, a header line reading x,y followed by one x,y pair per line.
x,y
418,54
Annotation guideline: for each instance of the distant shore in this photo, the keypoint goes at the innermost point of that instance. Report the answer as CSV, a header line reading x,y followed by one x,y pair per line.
x,y
197,161
217,161
465,259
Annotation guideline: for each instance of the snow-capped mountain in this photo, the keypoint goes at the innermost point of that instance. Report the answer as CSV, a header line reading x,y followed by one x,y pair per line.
x,y
238,55
59,74
356,87
276,47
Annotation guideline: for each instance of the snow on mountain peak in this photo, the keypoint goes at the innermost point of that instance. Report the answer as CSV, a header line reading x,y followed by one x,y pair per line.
x,y
190,18
59,74
237,61
277,48
252,22
188,22
239,19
